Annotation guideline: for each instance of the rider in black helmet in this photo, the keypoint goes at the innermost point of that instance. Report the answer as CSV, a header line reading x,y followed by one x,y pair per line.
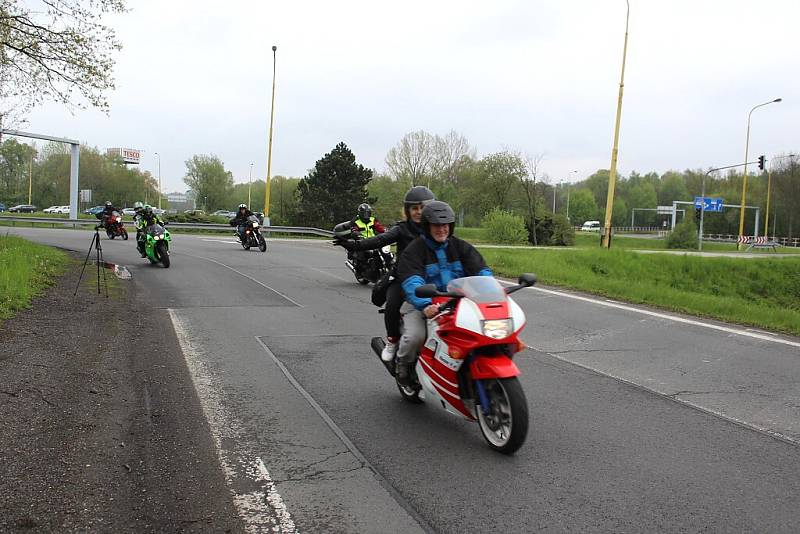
x,y
402,233
437,257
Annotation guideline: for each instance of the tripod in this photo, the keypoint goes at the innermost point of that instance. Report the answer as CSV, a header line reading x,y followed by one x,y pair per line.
x,y
95,244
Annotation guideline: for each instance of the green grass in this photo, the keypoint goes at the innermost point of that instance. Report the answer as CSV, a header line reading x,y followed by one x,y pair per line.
x,y
763,293
25,270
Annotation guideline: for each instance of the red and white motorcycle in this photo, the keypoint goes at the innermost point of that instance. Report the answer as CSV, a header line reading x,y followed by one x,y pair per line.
x,y
466,363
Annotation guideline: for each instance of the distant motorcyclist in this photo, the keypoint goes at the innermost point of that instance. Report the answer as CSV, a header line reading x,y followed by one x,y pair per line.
x,y
104,215
147,219
240,220
437,257
402,233
365,223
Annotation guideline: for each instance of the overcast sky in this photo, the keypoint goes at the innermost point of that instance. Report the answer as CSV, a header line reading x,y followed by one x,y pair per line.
x,y
538,76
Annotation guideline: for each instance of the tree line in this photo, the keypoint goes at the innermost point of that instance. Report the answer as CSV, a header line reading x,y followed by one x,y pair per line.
x,y
475,186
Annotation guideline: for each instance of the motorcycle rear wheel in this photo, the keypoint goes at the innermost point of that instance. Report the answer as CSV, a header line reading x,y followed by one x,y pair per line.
x,y
505,427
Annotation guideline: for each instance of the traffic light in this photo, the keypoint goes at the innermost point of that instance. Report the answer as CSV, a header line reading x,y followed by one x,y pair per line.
x,y
761,162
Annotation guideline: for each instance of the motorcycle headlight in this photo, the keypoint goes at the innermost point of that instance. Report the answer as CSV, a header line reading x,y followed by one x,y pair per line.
x,y
156,237
255,225
498,328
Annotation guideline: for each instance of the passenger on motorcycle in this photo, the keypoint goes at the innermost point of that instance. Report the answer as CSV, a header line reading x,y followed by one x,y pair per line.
x,y
437,257
147,219
402,233
240,221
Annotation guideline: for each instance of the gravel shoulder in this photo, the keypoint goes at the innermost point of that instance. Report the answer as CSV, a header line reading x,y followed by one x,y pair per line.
x,y
101,426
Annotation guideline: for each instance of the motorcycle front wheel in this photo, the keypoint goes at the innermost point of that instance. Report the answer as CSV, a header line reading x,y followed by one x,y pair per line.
x,y
163,253
505,426
124,234
262,244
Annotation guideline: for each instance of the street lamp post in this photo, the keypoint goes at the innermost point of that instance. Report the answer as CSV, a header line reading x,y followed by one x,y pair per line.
x,y
612,175
159,179
744,176
571,172
249,185
271,120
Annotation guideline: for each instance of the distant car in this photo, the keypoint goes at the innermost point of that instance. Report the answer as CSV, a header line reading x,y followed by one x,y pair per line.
x,y
129,212
224,213
591,226
194,212
2,207
22,208
51,209
94,210
158,211
62,210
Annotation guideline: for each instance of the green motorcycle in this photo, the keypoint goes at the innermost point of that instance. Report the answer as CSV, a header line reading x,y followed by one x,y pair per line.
x,y
156,244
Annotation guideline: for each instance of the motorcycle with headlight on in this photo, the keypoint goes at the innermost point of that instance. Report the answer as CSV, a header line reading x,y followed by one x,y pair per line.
x,y
466,364
156,244
252,235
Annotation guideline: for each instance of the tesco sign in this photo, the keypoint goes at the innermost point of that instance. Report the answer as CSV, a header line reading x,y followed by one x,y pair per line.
x,y
128,155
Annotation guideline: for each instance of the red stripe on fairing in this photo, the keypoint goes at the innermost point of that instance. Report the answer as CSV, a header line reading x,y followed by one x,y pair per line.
x,y
495,310
458,404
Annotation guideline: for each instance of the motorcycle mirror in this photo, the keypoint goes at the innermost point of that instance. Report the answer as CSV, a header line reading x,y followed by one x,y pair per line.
x,y
427,291
527,279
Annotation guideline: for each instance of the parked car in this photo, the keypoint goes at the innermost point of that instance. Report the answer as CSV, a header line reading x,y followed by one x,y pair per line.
x,y
591,226
158,211
94,210
51,209
62,210
22,208
129,212
194,212
224,213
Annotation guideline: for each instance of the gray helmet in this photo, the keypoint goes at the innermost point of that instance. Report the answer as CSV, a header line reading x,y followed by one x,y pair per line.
x,y
108,204
418,195
438,212
364,212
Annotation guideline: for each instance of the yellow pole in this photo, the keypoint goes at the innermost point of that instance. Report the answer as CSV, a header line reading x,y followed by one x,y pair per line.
x,y
30,180
744,177
612,175
271,118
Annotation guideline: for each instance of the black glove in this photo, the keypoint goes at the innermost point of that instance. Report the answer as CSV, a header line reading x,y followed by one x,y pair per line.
x,y
348,245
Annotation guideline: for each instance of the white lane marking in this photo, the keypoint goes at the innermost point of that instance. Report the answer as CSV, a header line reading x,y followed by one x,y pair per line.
x,y
327,273
263,509
246,276
716,413
610,304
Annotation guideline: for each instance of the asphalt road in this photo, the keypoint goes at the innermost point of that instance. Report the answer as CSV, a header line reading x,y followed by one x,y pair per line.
x,y
640,420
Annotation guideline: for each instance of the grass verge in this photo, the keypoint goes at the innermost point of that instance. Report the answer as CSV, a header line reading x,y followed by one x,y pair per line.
x,y
25,270
765,293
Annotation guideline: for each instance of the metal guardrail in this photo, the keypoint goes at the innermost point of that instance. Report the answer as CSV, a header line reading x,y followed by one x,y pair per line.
x,y
189,226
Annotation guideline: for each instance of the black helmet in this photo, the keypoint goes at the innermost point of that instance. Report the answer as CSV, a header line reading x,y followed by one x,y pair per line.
x,y
418,194
108,204
364,212
438,212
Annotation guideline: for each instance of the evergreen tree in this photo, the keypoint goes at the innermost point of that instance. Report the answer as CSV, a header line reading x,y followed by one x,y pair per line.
x,y
333,189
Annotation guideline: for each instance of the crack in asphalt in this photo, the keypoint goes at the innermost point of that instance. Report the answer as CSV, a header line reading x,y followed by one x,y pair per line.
x,y
317,474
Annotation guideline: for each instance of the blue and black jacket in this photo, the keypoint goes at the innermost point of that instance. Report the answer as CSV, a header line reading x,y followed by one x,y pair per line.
x,y
427,262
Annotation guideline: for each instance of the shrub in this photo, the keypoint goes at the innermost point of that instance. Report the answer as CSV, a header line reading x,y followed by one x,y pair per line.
x,y
684,236
551,230
505,228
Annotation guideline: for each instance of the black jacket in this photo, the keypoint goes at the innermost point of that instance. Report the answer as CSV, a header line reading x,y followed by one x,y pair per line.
x,y
241,219
402,233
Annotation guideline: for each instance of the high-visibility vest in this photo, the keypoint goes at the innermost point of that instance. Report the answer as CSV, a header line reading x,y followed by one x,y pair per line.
x,y
367,229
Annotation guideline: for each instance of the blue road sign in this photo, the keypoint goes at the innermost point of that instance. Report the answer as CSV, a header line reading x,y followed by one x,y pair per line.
x,y
711,204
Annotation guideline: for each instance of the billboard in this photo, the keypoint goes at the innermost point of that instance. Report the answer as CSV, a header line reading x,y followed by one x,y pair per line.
x,y
128,155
